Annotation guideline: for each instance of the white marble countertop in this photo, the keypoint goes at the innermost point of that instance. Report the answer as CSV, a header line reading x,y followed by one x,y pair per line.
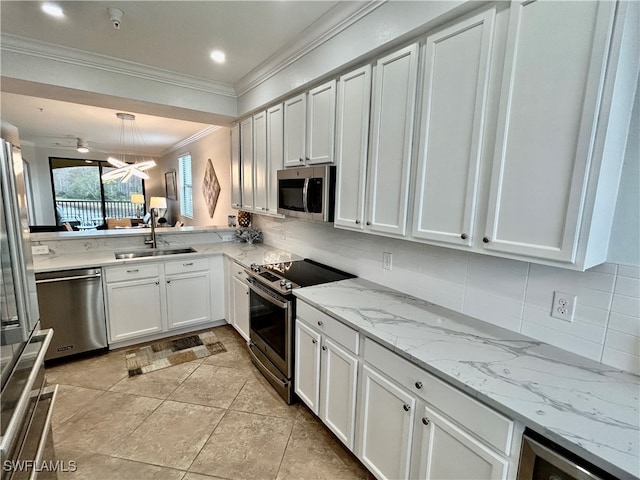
x,y
580,404
244,253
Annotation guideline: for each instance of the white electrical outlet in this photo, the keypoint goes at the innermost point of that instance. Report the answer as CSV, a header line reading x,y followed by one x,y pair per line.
x,y
564,306
387,261
39,250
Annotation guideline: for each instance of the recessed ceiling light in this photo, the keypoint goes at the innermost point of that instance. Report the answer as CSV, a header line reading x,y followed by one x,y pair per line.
x,y
53,10
218,56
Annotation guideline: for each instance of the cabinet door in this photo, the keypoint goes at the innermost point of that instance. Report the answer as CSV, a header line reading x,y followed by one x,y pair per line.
x,y
260,162
295,119
352,139
321,123
306,380
134,309
446,451
551,86
390,143
241,307
246,159
236,186
338,390
456,70
386,426
275,154
188,299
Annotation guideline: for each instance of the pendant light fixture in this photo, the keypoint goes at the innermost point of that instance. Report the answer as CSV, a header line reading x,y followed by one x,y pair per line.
x,y
123,170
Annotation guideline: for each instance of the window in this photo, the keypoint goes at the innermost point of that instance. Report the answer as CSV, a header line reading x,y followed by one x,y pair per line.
x,y
81,198
185,181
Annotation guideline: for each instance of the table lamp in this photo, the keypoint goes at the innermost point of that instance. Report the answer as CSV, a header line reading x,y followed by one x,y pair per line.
x,y
137,199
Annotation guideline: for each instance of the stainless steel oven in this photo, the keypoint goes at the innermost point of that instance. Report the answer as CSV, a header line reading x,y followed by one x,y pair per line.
x,y
541,459
272,310
271,339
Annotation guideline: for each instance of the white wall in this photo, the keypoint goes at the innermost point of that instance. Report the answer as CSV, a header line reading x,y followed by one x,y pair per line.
x,y
215,146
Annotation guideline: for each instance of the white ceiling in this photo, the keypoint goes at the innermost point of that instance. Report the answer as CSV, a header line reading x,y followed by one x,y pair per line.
x,y
177,36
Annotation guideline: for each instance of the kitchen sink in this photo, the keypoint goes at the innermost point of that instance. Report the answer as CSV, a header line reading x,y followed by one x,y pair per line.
x,y
155,252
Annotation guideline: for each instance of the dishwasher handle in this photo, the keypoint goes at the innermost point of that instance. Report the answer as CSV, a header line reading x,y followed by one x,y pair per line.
x,y
64,279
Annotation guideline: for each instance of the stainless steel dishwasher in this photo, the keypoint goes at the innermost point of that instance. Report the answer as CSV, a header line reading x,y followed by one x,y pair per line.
x,y
72,303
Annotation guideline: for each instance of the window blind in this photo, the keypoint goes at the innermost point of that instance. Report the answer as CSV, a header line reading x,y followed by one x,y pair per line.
x,y
185,182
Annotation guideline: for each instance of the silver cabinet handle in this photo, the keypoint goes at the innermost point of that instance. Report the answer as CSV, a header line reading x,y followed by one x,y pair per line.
x,y
486,239
368,223
320,323
314,341
135,270
418,385
190,264
426,421
158,283
324,347
168,281
357,222
406,407
464,236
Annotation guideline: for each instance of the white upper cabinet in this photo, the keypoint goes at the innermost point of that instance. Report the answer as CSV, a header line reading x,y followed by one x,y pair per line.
x,y
352,139
393,105
556,169
295,121
260,164
321,122
454,92
236,186
275,154
309,126
246,160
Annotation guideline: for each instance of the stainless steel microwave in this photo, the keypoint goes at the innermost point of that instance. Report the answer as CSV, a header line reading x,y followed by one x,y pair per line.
x,y
307,192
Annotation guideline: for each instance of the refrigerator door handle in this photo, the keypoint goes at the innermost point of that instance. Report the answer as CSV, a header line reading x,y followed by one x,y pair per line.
x,y
13,429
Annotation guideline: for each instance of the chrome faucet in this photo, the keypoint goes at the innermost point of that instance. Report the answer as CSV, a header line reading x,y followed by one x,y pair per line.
x,y
152,241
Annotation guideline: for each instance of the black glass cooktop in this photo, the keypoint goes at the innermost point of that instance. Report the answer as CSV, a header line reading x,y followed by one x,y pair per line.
x,y
307,272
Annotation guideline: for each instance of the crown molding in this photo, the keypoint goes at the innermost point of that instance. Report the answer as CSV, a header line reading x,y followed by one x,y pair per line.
x,y
196,136
35,48
336,20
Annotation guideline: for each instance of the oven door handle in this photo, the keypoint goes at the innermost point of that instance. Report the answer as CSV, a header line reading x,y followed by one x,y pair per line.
x,y
305,195
267,296
265,370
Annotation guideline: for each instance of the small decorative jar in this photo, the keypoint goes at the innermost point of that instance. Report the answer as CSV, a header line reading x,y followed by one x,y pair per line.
x,y
244,218
231,220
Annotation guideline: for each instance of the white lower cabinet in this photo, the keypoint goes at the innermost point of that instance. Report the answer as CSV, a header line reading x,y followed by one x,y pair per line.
x,y
134,308
188,293
386,426
147,299
326,371
447,451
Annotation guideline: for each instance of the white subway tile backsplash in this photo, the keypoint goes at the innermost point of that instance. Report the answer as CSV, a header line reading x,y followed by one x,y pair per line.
x,y
514,295
621,341
628,286
508,278
493,308
621,360
577,328
627,305
562,340
624,323
628,271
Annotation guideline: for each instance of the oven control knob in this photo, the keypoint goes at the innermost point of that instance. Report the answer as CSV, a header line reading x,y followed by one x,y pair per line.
x,y
283,283
254,267
288,286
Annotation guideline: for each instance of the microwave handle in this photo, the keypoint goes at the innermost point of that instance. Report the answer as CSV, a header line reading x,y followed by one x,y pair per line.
x,y
305,195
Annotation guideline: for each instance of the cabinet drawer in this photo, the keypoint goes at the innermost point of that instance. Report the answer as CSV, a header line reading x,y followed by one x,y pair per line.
x,y
237,271
325,324
132,272
476,417
186,265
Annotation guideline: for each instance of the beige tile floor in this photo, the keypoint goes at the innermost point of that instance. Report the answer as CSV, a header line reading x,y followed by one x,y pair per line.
x,y
211,418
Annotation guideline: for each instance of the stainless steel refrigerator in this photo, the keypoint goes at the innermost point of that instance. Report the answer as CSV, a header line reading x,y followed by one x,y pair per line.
x,y
26,403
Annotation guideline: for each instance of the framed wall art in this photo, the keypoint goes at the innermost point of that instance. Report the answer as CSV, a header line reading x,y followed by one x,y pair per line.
x,y
210,188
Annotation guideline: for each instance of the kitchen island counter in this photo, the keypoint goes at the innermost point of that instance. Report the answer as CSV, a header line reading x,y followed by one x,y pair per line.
x,y
584,406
